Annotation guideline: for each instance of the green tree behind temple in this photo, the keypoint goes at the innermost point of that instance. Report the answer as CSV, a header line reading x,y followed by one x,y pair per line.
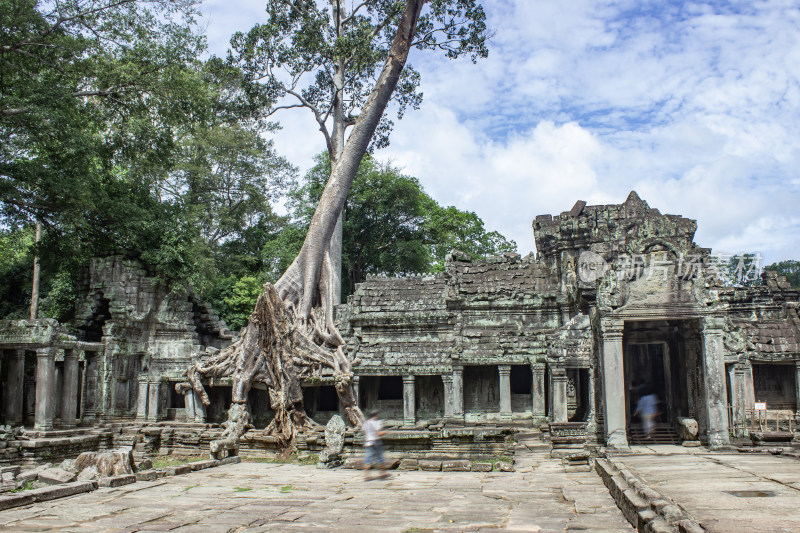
x,y
118,138
391,226
789,268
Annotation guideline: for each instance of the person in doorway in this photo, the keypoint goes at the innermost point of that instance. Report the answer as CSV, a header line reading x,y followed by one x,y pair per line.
x,y
647,410
373,444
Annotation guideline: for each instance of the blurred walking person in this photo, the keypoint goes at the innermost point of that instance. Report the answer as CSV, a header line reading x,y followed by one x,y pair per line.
x,y
373,444
647,410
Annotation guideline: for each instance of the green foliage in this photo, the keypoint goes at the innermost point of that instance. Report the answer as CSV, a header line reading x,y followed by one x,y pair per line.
x,y
340,49
391,226
241,300
122,141
789,268
16,264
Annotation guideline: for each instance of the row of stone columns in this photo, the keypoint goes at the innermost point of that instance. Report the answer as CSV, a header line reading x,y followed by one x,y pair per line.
x,y
454,394
46,388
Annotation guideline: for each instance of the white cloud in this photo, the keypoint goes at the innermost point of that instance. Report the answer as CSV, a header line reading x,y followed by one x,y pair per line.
x,y
696,105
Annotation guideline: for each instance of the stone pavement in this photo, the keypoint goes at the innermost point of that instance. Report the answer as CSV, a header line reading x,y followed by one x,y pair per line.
x,y
539,496
725,492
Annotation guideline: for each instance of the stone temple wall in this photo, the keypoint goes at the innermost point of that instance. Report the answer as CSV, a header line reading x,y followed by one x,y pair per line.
x,y
133,338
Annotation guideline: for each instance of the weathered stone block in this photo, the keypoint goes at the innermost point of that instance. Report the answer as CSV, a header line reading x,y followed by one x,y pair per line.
x,y
481,467
61,491
430,466
202,465
456,465
117,481
31,475
8,501
230,460
408,464
56,476
177,470
147,475
356,463
503,466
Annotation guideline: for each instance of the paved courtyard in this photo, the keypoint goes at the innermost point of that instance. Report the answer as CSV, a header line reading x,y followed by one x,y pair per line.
x,y
539,496
726,493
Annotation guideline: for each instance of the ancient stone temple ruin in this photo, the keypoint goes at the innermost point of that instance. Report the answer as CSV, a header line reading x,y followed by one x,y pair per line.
x,y
618,299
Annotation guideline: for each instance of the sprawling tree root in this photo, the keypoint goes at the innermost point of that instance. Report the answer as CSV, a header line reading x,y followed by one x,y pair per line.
x,y
280,352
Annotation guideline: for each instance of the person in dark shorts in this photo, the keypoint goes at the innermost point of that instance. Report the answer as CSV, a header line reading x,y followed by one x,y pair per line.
x,y
373,444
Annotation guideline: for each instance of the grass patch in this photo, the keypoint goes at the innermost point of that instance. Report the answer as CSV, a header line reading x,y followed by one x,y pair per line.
x,y
287,488
163,461
190,487
417,530
241,489
27,486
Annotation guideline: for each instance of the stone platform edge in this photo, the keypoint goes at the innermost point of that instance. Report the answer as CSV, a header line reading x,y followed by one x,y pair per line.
x,y
645,508
28,497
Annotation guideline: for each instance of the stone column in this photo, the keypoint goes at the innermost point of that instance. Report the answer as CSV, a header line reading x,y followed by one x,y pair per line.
x,y
740,397
141,400
505,391
558,384
356,391
797,388
45,374
715,390
537,390
90,387
188,405
458,392
199,408
154,401
613,383
447,381
69,390
409,416
15,383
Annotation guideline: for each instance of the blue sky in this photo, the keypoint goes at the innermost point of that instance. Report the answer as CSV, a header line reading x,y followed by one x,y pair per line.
x,y
695,105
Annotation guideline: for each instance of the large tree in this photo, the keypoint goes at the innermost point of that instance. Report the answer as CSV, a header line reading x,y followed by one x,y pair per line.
x,y
345,61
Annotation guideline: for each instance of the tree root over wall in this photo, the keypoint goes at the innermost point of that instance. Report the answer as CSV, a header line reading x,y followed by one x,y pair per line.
x,y
280,352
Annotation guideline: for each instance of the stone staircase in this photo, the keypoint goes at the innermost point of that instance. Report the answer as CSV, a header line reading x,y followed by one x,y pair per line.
x,y
662,434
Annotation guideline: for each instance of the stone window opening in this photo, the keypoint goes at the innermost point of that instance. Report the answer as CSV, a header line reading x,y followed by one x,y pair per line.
x,y
390,388
775,384
92,330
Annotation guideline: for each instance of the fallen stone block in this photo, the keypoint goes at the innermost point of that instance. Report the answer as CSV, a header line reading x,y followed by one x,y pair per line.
x,y
13,470
202,465
230,460
409,464
456,465
430,466
355,463
503,466
147,475
9,501
481,467
145,464
56,476
88,474
117,481
31,475
108,463
61,491
691,443
177,470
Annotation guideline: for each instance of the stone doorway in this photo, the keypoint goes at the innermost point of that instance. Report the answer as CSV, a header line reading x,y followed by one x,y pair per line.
x,y
663,357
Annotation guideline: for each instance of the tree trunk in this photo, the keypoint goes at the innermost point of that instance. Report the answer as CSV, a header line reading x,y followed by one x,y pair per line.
x,y
35,285
291,335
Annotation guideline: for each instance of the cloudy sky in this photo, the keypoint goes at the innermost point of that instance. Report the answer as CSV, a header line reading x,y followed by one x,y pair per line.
x,y
695,105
